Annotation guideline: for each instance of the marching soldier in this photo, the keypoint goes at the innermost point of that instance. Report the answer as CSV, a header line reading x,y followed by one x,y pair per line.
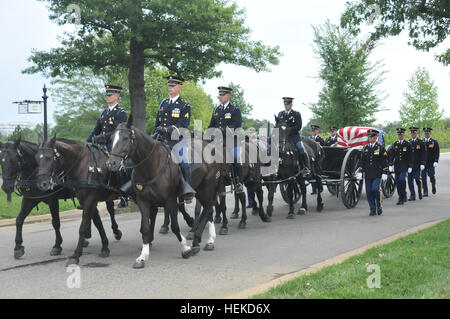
x,y
419,160
432,147
294,119
101,135
333,138
174,113
319,140
104,128
228,116
400,162
374,163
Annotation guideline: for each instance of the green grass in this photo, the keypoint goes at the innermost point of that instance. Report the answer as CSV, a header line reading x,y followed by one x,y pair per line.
x,y
416,266
11,210
445,150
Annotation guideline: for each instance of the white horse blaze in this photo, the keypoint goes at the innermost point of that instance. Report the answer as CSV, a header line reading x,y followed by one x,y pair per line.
x,y
144,254
116,139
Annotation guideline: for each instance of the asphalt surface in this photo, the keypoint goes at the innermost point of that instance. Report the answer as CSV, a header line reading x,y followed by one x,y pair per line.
x,y
242,259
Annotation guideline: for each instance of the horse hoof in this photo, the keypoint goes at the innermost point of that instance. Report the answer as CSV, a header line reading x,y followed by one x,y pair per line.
x,y
301,211
19,253
85,243
290,216
72,261
139,264
319,207
195,250
217,220
270,210
266,219
118,235
242,225
190,236
56,251
223,231
104,253
234,215
186,254
164,229
209,247
255,212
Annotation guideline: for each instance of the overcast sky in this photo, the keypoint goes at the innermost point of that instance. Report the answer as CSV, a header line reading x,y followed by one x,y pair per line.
x,y
24,25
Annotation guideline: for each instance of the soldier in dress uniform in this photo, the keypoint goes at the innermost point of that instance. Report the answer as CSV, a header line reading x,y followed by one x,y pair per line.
x,y
315,135
294,119
228,116
319,140
174,113
333,138
374,163
432,147
104,128
419,160
400,162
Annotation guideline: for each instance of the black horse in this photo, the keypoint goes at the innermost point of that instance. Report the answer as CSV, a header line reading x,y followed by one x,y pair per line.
x,y
290,168
252,179
19,173
157,183
81,167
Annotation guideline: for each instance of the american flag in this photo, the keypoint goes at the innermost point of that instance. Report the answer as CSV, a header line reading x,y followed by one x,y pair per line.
x,y
356,136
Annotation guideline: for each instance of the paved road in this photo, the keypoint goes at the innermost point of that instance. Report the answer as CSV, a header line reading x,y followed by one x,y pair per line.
x,y
242,259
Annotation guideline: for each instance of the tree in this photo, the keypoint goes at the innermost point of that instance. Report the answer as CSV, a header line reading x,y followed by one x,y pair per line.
x,y
420,107
237,98
18,133
349,95
189,38
427,21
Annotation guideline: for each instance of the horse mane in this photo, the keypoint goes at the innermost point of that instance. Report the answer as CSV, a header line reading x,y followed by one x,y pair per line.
x,y
70,142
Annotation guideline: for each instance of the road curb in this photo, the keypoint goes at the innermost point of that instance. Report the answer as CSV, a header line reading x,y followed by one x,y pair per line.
x,y
248,293
66,215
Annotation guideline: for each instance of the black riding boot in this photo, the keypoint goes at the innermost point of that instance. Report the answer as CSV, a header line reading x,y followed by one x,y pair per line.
x,y
187,192
306,171
433,185
238,179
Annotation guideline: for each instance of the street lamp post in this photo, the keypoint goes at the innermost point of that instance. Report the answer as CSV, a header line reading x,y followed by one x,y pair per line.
x,y
45,97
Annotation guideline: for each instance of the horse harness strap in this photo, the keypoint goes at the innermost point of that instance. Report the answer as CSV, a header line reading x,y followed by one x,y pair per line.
x,y
140,186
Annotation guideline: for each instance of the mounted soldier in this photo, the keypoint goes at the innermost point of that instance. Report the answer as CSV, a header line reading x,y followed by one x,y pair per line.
x,y
228,117
175,113
293,119
106,124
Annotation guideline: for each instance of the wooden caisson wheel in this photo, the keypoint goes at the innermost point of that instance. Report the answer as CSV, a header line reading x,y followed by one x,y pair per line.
x,y
297,193
350,187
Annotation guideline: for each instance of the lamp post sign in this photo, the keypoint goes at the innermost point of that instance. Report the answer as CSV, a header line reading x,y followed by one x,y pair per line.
x,y
35,107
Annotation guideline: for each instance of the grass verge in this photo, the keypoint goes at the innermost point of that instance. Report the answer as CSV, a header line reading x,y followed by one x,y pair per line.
x,y
11,210
416,266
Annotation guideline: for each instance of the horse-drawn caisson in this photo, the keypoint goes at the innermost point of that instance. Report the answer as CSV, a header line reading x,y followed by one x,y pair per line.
x,y
338,167
168,172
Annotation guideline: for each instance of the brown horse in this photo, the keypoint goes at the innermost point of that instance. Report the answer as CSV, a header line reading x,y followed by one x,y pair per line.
x,y
82,167
157,183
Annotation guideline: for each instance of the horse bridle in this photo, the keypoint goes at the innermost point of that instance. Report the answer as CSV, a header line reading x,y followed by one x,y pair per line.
x,y
133,142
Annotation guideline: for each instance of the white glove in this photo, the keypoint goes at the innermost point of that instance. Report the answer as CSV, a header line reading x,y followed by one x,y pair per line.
x,y
435,164
391,169
384,177
410,170
422,167
358,176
